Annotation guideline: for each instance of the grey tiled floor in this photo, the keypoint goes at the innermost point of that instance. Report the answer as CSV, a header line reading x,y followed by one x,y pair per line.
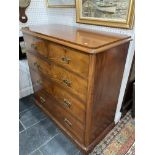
x,y
38,135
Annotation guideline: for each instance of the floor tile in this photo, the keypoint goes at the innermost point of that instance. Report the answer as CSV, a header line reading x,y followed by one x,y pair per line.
x,y
21,128
37,152
37,135
59,145
31,116
26,103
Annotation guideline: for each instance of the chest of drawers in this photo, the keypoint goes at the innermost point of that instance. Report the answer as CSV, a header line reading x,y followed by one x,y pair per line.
x,y
76,76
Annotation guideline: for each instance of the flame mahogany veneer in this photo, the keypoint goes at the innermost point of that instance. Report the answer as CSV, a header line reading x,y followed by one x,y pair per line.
x,y
76,75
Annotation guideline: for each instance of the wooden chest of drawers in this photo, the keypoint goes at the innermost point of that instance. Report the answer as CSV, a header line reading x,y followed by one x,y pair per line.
x,y
76,75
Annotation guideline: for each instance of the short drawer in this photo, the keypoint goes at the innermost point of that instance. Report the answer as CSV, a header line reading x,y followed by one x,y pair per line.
x,y
74,83
64,98
38,64
36,45
70,124
69,58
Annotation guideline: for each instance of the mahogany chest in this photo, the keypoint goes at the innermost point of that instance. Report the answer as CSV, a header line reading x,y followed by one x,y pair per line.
x,y
76,75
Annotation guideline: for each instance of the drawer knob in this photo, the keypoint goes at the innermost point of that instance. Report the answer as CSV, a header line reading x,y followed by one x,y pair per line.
x,y
34,46
65,59
68,122
67,82
66,103
42,100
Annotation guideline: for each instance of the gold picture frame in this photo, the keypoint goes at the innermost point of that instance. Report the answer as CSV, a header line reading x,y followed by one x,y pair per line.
x,y
50,5
86,10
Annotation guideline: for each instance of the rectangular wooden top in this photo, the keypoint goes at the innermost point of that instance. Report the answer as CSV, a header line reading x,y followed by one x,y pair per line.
x,y
83,39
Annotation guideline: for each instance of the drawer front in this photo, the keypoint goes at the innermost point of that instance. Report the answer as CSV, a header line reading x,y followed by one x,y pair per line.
x,y
71,59
36,45
69,103
70,124
39,83
69,80
38,64
65,100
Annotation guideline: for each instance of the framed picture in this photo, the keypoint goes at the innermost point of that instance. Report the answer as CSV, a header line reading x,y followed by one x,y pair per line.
x,y
113,13
60,3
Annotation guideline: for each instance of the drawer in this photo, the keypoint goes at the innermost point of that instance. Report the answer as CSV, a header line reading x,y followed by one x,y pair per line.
x,y
39,83
69,103
36,45
69,58
38,64
70,124
69,80
65,99
74,83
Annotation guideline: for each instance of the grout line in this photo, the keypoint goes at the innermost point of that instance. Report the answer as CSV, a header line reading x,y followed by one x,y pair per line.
x,y
32,125
36,123
48,141
22,124
30,110
26,109
40,152
44,144
33,151
22,131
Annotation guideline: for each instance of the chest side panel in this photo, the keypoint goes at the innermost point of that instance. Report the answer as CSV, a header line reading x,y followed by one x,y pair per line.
x,y
109,70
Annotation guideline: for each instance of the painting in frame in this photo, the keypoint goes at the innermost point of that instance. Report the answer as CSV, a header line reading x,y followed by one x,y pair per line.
x,y
60,3
113,13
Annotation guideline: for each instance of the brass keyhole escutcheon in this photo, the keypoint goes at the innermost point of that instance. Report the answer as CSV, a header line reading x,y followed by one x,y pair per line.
x,y
68,122
66,103
65,59
42,100
67,82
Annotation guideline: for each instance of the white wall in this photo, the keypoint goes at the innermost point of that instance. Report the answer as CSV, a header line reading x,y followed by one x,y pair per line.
x,y
25,85
39,14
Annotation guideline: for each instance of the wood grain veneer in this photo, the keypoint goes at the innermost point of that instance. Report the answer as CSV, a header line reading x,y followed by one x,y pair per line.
x,y
76,75
77,38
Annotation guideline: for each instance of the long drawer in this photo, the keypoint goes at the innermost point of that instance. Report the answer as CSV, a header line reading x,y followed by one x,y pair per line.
x,y
65,100
69,58
69,80
70,124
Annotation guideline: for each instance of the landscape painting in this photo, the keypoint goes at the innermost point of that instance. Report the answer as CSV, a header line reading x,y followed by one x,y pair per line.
x,y
119,11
